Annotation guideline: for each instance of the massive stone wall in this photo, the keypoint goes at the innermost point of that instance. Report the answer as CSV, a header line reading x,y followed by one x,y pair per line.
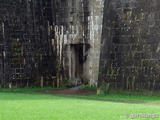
x,y
26,54
71,42
130,44
50,39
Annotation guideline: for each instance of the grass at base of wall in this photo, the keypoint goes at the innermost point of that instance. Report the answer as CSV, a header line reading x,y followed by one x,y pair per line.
x,y
29,90
87,87
119,95
114,95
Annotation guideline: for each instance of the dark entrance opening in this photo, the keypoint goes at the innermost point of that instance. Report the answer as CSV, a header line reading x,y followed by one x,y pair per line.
x,y
78,59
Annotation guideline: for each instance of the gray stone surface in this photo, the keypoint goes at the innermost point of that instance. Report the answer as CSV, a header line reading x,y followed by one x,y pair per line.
x,y
73,42
130,44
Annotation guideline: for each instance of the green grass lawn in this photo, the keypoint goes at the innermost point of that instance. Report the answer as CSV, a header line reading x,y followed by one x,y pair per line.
x,y
27,104
36,106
